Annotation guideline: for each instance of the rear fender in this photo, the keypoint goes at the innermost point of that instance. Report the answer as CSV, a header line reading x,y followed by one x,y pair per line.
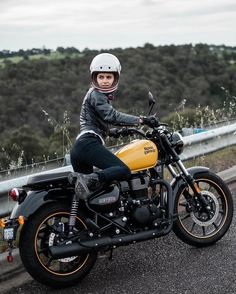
x,y
36,199
178,182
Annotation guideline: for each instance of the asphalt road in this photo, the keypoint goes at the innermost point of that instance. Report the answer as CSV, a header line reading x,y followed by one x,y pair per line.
x,y
165,265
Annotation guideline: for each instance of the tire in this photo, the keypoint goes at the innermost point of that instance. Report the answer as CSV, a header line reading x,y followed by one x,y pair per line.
x,y
38,234
199,228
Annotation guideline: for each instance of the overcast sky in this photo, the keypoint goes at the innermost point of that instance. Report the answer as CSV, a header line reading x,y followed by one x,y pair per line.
x,y
104,24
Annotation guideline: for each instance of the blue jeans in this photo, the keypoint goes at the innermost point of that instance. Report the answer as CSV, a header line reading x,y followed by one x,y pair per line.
x,y
88,151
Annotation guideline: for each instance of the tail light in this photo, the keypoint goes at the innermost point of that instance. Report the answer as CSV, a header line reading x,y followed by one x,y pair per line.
x,y
9,258
17,194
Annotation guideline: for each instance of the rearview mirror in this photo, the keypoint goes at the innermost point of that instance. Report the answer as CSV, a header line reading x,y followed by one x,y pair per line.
x,y
152,101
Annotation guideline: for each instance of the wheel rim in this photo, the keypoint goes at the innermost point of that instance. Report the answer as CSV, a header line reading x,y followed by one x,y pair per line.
x,y
201,224
46,236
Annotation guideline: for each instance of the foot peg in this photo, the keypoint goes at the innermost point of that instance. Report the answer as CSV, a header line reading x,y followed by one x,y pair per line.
x,y
92,225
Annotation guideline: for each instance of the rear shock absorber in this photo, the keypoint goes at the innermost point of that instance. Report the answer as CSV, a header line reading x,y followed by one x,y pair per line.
x,y
73,213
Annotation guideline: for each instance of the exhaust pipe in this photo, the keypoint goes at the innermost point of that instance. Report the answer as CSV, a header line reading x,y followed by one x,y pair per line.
x,y
68,250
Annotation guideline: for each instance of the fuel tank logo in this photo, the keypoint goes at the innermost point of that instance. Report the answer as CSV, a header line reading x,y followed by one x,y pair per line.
x,y
150,149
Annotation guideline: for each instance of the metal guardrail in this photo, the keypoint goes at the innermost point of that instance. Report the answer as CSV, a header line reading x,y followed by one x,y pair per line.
x,y
33,168
209,141
6,206
195,145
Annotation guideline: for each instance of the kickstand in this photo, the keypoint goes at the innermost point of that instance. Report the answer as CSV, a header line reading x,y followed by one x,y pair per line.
x,y
110,256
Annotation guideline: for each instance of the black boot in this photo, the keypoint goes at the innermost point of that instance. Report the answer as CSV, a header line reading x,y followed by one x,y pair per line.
x,y
84,184
92,181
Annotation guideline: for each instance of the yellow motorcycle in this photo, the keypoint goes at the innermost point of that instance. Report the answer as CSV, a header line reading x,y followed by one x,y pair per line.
x,y
62,236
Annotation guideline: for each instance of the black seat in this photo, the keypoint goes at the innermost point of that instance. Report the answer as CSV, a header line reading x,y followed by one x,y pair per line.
x,y
48,180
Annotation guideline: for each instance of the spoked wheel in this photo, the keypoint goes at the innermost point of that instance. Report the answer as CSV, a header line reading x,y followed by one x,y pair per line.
x,y
46,228
200,226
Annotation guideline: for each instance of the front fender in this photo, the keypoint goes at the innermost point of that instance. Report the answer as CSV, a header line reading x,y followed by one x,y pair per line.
x,y
36,199
178,182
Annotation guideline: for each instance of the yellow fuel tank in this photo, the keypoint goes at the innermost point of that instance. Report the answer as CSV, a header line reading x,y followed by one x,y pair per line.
x,y
139,155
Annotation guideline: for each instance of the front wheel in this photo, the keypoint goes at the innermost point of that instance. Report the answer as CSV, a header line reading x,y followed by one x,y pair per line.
x,y
197,226
44,229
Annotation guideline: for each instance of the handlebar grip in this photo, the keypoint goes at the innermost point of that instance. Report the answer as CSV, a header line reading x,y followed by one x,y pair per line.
x,y
150,121
114,133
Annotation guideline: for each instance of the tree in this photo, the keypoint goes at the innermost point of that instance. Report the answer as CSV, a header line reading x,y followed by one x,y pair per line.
x,y
26,144
172,73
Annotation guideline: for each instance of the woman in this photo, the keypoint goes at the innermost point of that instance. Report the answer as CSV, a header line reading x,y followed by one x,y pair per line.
x,y
96,116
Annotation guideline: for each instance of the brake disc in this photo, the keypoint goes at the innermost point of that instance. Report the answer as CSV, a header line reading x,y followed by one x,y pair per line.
x,y
199,219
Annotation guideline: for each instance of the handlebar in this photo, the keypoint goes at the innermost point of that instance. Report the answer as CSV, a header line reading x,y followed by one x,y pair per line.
x,y
150,121
116,133
125,131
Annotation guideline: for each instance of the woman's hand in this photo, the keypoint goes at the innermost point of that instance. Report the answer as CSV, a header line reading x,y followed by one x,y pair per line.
x,y
150,121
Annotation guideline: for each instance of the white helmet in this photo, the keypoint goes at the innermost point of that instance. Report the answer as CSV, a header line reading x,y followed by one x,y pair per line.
x,y
105,62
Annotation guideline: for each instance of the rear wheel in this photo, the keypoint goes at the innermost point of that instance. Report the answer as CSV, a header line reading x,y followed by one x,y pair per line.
x,y
44,229
200,227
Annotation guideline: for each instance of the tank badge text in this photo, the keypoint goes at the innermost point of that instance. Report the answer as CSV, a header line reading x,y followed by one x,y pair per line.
x,y
107,200
149,150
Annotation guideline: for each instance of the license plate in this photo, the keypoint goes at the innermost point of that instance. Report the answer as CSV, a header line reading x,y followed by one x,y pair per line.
x,y
8,234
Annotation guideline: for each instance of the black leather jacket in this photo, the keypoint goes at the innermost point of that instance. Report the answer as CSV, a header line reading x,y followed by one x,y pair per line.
x,y
97,114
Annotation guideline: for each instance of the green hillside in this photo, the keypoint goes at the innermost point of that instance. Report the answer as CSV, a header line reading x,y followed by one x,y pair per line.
x,y
41,92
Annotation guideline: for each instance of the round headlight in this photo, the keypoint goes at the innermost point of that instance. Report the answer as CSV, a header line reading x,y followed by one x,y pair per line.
x,y
177,142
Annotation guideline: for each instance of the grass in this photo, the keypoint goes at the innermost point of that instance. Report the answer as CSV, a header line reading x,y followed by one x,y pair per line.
x,y
52,56
11,59
216,161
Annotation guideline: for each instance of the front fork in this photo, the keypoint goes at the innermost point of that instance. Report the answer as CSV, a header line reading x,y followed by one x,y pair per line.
x,y
188,178
182,170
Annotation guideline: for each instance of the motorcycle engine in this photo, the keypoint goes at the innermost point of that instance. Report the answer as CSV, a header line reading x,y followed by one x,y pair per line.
x,y
141,207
